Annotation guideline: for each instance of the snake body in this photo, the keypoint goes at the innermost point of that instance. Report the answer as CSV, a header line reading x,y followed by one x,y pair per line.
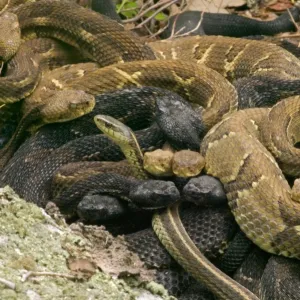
x,y
98,37
168,225
229,24
105,42
196,83
212,243
24,69
274,224
232,57
236,59
254,67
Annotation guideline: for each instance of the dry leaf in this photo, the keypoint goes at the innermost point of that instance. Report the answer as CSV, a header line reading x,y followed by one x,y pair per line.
x,y
174,10
213,6
280,5
82,267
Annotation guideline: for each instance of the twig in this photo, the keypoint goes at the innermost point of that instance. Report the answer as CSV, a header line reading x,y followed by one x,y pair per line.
x,y
174,24
142,13
158,32
1,66
121,6
155,13
197,27
206,6
128,9
182,4
8,283
148,29
177,33
31,273
294,22
289,35
219,6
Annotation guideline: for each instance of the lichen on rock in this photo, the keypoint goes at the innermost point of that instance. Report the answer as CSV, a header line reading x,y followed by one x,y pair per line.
x,y
43,258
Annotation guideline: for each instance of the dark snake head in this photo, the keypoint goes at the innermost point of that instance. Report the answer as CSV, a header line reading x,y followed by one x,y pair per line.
x,y
154,194
181,124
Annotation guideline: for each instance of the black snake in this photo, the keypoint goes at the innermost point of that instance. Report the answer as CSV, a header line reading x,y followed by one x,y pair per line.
x,y
35,19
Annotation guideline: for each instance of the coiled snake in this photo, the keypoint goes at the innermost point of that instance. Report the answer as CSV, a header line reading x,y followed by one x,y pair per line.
x,y
105,42
168,226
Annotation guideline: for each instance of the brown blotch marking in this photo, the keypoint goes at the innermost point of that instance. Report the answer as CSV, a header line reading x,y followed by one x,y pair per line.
x,y
289,236
43,11
199,51
286,216
238,184
231,57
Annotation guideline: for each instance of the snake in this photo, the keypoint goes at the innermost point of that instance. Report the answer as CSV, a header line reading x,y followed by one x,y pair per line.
x,y
103,41
41,155
228,24
168,226
33,19
234,150
281,216
63,106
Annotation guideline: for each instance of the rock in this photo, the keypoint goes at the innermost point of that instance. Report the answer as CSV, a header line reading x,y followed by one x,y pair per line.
x,y
35,251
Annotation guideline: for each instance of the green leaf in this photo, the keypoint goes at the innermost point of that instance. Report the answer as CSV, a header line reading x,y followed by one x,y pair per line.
x,y
132,5
159,17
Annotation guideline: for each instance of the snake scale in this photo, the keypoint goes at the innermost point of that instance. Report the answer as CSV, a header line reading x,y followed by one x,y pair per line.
x,y
109,43
276,230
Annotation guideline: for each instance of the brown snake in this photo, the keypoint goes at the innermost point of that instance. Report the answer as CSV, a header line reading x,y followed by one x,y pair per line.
x,y
233,58
234,152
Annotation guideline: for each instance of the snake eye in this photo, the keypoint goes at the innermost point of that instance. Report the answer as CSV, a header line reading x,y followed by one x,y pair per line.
x,y
108,125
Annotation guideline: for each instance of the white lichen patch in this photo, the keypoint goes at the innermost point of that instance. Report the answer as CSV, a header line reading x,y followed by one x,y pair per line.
x,y
31,241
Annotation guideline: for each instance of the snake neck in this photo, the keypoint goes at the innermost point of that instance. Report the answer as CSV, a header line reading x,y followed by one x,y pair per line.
x,y
134,156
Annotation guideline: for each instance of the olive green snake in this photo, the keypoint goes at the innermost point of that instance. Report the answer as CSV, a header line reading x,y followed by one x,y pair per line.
x,y
233,53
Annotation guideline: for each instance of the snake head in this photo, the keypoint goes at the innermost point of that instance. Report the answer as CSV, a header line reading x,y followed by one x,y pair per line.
x,y
10,36
180,123
114,129
125,138
154,194
67,105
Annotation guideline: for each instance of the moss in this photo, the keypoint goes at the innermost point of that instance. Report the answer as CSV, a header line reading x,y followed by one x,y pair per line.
x,y
30,240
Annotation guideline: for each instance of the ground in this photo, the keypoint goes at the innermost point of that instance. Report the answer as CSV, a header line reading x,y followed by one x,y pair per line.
x,y
43,258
